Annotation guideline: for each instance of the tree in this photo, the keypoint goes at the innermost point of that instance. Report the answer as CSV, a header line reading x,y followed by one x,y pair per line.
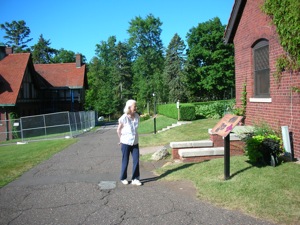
x,y
174,70
124,71
109,77
17,34
148,58
64,56
42,53
210,63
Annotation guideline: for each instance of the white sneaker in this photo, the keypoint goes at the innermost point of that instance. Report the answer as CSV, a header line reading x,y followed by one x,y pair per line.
x,y
124,182
136,182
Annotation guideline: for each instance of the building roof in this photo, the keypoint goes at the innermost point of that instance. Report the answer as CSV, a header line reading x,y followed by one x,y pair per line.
x,y
12,71
62,75
234,20
13,68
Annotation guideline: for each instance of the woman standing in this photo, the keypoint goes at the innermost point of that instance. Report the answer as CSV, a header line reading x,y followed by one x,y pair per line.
x,y
127,132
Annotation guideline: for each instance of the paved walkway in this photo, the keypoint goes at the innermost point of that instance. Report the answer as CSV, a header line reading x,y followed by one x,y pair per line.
x,y
80,186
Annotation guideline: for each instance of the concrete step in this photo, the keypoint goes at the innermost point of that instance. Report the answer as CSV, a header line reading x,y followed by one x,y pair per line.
x,y
191,144
173,125
194,152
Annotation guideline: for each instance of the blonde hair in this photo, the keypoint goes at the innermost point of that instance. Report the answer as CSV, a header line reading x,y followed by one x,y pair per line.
x,y
129,103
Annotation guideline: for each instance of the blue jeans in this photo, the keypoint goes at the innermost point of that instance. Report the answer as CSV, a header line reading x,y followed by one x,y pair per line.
x,y
135,152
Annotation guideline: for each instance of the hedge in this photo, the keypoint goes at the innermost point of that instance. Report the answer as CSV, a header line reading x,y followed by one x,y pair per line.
x,y
197,110
187,111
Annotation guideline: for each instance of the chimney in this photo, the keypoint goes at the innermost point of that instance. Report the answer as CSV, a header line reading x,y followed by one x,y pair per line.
x,y
2,52
78,60
8,50
5,50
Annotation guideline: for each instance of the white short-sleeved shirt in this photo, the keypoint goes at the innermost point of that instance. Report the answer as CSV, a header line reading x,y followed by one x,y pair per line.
x,y
129,134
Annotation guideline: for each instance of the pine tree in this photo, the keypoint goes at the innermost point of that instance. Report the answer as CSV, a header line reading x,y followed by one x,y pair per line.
x,y
42,53
17,34
174,70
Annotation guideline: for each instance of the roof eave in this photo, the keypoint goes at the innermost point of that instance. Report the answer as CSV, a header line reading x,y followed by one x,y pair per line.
x,y
234,20
6,105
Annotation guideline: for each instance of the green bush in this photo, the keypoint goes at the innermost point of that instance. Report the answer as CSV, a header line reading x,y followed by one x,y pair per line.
x,y
215,109
144,117
198,110
169,110
259,148
187,111
263,145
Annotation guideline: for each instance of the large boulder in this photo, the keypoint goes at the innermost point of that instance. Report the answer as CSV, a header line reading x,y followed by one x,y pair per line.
x,y
160,154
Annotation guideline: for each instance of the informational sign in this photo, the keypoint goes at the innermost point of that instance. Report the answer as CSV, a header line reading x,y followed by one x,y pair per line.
x,y
226,124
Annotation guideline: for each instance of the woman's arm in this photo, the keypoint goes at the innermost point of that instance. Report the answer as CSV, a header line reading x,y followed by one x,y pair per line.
x,y
119,129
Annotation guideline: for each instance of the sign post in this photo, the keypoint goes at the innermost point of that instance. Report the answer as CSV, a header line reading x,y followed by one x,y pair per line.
x,y
154,120
223,128
227,157
178,108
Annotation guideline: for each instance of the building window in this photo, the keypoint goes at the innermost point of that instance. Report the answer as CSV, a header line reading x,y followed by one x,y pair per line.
x,y
261,69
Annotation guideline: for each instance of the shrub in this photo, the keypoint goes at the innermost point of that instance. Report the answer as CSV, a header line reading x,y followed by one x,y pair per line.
x,y
215,109
187,111
198,110
144,117
261,148
169,110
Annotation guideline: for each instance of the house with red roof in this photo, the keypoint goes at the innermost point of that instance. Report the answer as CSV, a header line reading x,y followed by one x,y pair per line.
x,y
65,85
31,89
257,47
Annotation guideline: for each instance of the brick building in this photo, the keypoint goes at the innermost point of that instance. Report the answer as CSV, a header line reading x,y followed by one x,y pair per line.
x,y
257,47
29,89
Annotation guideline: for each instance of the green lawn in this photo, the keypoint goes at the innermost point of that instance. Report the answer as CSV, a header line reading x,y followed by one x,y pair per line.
x,y
197,130
147,126
270,193
17,159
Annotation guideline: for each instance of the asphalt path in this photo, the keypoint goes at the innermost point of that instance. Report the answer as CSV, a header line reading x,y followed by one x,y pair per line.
x,y
80,185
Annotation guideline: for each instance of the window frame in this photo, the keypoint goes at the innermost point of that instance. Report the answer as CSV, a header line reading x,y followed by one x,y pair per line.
x,y
261,68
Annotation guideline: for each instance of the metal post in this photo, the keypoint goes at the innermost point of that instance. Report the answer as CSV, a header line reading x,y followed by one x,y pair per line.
x,y
7,125
68,113
227,157
154,116
45,126
154,113
21,129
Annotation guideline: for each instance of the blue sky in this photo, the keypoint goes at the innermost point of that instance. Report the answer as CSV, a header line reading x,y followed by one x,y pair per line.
x,y
80,25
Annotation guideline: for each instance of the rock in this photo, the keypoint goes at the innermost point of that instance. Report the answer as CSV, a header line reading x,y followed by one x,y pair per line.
x,y
160,154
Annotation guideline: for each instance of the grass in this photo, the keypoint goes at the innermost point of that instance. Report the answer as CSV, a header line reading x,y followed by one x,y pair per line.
x,y
197,130
266,192
147,126
270,193
17,159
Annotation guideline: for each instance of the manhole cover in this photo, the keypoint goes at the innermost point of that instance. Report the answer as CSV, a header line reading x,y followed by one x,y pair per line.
x,y
106,185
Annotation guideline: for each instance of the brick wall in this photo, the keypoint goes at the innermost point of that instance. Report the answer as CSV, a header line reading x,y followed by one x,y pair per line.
x,y
284,108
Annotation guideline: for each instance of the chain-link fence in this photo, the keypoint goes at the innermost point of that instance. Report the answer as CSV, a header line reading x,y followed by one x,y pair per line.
x,y
47,126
